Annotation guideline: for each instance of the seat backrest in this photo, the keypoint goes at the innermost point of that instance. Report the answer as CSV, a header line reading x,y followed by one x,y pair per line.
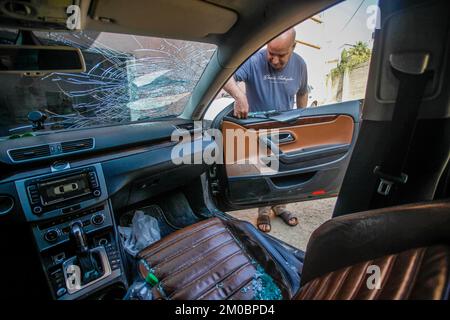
x,y
411,238
421,273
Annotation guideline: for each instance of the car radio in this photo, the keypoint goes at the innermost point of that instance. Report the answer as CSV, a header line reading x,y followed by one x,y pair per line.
x,y
46,193
62,192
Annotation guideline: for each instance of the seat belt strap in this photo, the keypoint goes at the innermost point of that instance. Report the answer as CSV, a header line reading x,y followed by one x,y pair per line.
x,y
410,70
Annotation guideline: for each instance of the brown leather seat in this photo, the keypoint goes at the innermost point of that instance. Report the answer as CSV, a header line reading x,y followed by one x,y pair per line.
x,y
409,243
414,274
202,261
215,259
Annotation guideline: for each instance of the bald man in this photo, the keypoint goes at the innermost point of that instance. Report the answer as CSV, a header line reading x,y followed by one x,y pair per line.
x,y
275,79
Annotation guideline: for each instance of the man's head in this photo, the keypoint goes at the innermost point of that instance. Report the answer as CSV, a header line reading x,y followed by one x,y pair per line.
x,y
280,49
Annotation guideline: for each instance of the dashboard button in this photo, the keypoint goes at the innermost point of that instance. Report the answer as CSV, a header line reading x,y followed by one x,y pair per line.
x,y
98,219
37,210
61,292
51,235
71,209
66,230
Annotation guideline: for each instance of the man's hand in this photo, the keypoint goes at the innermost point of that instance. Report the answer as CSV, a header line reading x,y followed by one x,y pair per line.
x,y
240,99
241,107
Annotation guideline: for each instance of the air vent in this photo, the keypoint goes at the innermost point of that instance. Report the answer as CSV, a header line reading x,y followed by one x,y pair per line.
x,y
77,145
29,153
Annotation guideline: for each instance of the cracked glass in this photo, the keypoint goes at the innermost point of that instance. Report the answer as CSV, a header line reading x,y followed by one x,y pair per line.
x,y
128,79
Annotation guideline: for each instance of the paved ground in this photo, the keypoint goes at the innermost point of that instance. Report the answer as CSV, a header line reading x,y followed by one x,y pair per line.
x,y
311,215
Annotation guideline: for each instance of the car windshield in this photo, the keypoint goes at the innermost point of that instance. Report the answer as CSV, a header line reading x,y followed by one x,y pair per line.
x,y
128,78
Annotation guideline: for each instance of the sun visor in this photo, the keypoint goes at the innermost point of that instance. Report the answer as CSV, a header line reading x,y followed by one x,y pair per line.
x,y
177,19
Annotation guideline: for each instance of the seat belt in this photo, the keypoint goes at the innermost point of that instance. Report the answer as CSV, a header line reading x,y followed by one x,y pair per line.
x,y
411,71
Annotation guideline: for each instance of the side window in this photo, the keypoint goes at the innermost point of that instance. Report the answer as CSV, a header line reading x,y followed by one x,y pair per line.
x,y
329,63
322,61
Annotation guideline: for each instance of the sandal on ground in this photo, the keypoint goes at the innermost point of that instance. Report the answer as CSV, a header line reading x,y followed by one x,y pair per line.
x,y
286,216
263,219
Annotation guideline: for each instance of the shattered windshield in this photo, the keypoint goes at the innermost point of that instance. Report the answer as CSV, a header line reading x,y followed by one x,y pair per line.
x,y
128,78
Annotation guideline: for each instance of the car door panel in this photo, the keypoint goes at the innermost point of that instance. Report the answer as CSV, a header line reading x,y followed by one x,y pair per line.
x,y
313,151
322,131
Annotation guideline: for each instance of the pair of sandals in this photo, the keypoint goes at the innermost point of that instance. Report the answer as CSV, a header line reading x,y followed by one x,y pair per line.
x,y
285,215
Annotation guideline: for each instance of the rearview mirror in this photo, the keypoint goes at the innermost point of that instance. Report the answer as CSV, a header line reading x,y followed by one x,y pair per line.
x,y
38,60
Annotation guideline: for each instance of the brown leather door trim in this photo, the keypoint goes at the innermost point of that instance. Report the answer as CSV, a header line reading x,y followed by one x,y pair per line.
x,y
307,132
337,131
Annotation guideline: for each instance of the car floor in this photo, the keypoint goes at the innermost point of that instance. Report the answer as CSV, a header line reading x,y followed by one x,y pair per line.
x,y
311,215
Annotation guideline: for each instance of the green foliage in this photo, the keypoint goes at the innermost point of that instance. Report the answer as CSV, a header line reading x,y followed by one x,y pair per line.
x,y
352,57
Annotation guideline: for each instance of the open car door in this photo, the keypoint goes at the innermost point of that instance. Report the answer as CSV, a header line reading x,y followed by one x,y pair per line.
x,y
313,148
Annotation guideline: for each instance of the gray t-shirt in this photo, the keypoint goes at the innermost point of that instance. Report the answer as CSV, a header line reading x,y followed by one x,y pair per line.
x,y
268,89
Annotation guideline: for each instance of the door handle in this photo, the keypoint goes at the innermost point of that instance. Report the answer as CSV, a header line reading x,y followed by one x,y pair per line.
x,y
283,137
302,155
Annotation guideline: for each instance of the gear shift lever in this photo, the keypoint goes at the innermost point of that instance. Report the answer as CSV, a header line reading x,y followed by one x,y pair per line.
x,y
78,235
87,263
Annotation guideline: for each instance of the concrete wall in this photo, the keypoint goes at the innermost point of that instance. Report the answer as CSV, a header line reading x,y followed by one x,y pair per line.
x,y
349,86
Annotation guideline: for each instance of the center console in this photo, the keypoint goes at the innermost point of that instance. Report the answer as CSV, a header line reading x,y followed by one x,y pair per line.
x,y
74,230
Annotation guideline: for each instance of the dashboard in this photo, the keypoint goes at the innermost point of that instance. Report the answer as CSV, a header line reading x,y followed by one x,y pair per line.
x,y
50,182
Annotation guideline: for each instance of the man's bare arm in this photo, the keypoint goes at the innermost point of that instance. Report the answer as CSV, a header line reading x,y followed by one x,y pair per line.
x,y
302,100
241,104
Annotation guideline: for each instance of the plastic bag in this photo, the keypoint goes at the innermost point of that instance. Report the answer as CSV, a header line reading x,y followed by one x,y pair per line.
x,y
143,232
139,290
